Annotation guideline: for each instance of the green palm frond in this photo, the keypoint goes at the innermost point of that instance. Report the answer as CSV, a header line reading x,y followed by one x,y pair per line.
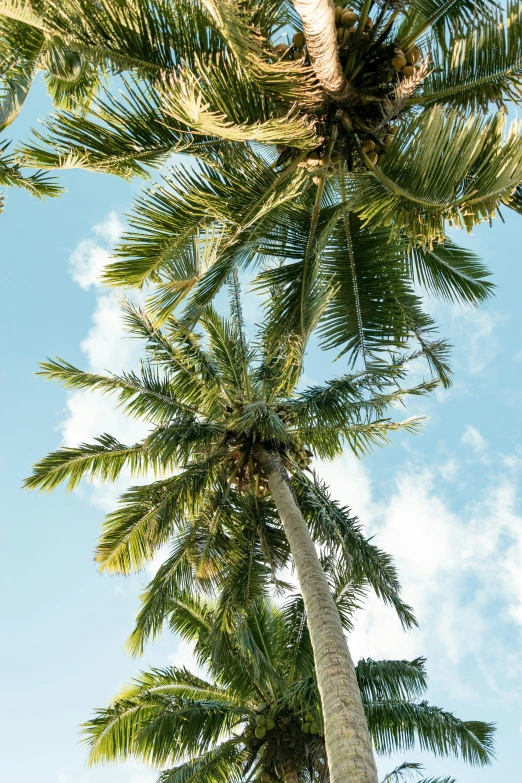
x,y
12,174
334,527
391,680
461,176
104,460
122,135
398,725
148,516
220,765
263,666
479,66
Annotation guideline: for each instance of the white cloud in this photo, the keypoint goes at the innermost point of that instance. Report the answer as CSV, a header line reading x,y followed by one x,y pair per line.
x,y
472,438
110,229
87,262
460,569
107,348
89,258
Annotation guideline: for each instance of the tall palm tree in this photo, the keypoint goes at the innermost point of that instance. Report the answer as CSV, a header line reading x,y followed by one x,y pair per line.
x,y
343,149
257,716
228,427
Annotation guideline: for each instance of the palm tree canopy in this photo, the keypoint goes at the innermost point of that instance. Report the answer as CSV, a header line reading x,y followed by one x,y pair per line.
x,y
211,402
259,711
345,198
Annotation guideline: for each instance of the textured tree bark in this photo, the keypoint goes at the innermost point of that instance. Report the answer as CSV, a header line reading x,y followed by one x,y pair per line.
x,y
290,774
318,18
348,744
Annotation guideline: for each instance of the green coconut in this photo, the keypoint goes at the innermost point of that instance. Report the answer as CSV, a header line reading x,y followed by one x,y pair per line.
x,y
305,728
314,729
260,732
260,720
270,724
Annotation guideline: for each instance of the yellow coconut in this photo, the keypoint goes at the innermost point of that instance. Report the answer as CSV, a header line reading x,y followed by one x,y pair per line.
x,y
338,14
298,40
368,24
348,18
373,158
368,145
280,50
408,70
340,33
388,142
398,62
413,55
298,55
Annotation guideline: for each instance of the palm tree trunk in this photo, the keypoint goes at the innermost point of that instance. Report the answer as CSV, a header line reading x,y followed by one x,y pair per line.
x,y
290,774
318,18
348,744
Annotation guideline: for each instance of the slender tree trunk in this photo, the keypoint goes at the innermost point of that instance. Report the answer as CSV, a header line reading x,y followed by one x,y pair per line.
x,y
289,774
348,744
318,18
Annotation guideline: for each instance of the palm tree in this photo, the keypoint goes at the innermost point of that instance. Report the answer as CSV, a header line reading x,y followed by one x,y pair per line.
x,y
343,150
256,716
229,426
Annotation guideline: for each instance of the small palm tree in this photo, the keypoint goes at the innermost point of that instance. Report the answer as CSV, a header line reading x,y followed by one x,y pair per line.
x,y
229,426
258,716
350,138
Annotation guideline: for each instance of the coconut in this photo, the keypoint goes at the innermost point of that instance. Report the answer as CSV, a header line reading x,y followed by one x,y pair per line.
x,y
313,158
408,71
393,130
309,717
314,729
340,34
270,724
280,49
265,778
368,24
368,145
298,40
316,180
413,55
372,157
398,62
305,728
260,732
298,55
260,720
388,140
348,18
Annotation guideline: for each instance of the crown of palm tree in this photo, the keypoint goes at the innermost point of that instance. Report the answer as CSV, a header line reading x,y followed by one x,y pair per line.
x,y
258,717
288,142
211,404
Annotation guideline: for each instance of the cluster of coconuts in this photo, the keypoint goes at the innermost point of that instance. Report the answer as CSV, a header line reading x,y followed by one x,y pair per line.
x,y
345,21
320,166
245,474
294,51
302,456
374,148
309,726
264,724
405,62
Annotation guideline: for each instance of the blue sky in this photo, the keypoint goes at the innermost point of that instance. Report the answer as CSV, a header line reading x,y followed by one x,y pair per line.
x,y
446,503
